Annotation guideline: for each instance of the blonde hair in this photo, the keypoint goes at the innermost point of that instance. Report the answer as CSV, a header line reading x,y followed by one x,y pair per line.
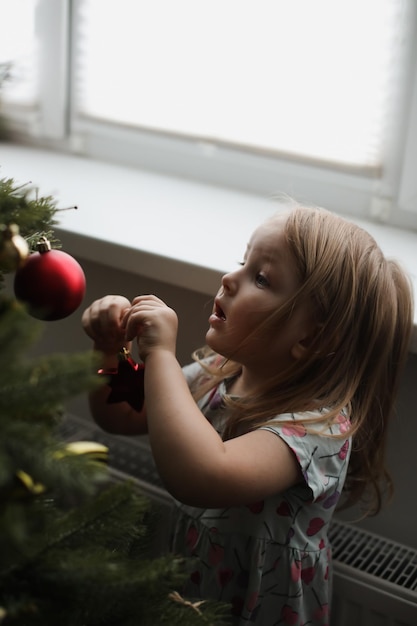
x,y
364,311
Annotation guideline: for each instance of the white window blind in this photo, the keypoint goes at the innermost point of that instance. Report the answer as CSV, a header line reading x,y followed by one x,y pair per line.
x,y
315,80
19,47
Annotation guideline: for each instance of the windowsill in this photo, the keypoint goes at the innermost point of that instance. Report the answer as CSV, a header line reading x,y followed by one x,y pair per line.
x,y
180,232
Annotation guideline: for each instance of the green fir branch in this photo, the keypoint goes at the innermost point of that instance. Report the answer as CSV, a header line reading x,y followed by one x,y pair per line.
x,y
41,387
21,205
17,332
105,585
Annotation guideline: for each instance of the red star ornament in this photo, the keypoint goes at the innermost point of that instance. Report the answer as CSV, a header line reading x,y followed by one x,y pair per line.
x,y
126,381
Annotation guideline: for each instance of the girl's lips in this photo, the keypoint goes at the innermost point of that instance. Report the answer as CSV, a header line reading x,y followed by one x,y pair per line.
x,y
218,313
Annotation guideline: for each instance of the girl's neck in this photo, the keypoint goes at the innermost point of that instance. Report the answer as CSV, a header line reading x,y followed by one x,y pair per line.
x,y
243,384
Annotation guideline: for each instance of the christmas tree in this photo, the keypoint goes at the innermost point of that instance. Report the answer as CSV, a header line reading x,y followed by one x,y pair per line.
x,y
73,545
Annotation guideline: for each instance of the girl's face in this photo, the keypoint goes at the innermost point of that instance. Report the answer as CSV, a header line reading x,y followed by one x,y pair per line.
x,y
249,295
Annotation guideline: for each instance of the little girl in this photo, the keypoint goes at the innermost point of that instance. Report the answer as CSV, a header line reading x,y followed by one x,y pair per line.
x,y
288,404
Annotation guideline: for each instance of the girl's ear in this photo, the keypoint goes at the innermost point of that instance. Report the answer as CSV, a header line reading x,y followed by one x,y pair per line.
x,y
300,350
303,346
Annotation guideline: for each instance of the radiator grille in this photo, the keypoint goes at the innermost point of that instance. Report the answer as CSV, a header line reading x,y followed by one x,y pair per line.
x,y
369,553
375,579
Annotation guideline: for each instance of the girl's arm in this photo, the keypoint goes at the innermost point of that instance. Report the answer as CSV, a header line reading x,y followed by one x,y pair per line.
x,y
102,323
197,467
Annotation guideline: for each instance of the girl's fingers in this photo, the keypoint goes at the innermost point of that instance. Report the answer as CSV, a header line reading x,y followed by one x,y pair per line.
x,y
150,298
102,319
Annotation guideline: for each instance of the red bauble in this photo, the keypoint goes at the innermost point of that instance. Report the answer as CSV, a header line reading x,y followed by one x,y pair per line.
x,y
51,283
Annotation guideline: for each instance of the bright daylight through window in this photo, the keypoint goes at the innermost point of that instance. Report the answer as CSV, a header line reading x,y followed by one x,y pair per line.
x,y
270,75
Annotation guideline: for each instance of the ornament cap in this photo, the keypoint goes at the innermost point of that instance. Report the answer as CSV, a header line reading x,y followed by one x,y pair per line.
x,y
43,245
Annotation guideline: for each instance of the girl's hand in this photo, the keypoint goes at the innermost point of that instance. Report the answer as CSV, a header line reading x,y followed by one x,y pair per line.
x,y
153,323
102,321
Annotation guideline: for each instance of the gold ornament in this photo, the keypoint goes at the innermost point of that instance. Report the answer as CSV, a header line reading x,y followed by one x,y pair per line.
x,y
94,451
30,485
13,248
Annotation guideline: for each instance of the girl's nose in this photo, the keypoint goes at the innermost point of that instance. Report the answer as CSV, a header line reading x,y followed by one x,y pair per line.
x,y
229,282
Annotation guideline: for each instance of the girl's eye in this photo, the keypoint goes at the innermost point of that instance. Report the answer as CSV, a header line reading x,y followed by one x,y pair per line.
x,y
261,280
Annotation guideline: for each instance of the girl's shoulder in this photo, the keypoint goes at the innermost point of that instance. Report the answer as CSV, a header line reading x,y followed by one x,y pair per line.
x,y
321,422
322,448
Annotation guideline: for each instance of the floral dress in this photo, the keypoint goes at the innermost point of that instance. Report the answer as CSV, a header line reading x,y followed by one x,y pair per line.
x,y
271,560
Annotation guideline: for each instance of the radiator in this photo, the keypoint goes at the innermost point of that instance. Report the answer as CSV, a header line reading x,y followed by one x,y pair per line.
x,y
375,579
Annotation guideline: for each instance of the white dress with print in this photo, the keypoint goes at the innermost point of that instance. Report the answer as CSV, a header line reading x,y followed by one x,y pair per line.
x,y
271,560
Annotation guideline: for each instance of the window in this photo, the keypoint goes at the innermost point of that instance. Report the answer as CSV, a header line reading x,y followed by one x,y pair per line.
x,y
267,75
18,47
312,99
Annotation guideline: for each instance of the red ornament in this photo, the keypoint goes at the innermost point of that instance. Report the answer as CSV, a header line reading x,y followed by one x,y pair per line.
x,y
51,283
126,381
